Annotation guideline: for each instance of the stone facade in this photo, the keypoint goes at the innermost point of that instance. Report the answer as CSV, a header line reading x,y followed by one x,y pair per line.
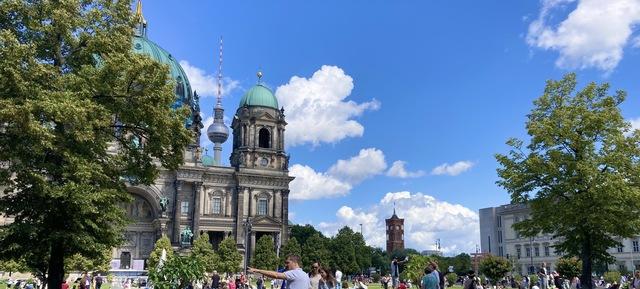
x,y
498,237
216,200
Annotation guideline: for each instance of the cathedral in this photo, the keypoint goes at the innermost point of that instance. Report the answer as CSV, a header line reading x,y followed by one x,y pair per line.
x,y
244,201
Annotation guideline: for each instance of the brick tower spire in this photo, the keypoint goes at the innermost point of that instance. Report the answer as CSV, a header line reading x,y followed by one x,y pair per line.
x,y
395,232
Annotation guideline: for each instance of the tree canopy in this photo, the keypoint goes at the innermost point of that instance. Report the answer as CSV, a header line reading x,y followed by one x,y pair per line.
x,y
265,254
80,116
203,250
494,267
162,244
579,173
230,258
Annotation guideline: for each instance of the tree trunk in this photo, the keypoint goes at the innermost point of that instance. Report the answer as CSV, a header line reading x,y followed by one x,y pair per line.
x,y
56,266
585,279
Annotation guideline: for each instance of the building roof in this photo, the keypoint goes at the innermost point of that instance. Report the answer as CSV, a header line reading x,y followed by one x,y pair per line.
x,y
259,95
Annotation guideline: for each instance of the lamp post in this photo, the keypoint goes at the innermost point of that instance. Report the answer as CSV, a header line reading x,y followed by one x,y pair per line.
x,y
247,239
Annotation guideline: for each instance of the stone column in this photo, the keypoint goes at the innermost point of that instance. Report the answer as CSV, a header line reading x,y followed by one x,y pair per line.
x,y
239,214
197,191
176,213
285,216
252,247
277,204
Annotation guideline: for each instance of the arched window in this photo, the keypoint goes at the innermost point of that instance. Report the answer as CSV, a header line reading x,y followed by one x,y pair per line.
x,y
264,138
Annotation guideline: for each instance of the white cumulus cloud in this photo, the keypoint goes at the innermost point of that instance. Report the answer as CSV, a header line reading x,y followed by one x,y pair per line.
x,y
635,124
594,34
342,176
398,170
426,219
207,84
317,109
453,169
369,162
310,185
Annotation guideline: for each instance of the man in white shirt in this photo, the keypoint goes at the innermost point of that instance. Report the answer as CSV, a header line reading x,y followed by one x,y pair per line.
x,y
296,278
338,278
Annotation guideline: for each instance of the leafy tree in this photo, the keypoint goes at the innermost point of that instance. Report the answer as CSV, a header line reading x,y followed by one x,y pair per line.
x,y
343,252
379,260
315,250
302,233
292,247
230,258
265,254
154,257
611,276
363,252
79,263
583,158
452,278
70,90
461,263
569,267
414,268
495,268
203,250
178,272
12,266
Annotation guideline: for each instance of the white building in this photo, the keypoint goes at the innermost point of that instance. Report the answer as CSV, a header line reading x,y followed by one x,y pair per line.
x,y
497,237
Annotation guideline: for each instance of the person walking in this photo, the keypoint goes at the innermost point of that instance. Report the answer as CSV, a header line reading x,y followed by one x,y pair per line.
x,y
543,276
98,280
635,281
470,283
429,280
260,283
296,278
215,280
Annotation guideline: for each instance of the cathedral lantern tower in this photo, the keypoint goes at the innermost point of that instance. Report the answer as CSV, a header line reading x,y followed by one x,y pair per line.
x,y
395,233
258,131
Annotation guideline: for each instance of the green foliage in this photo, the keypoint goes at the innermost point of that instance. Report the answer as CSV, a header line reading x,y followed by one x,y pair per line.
x,y
612,276
78,263
375,277
582,155
154,257
178,272
302,233
451,278
495,268
533,279
343,252
12,266
379,260
414,268
569,267
292,247
230,258
461,263
70,89
315,250
203,250
265,254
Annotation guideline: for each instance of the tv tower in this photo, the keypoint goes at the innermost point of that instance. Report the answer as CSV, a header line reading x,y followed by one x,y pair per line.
x,y
218,132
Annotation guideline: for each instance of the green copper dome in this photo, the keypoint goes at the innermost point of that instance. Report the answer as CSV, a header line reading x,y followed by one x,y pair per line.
x,y
259,95
142,45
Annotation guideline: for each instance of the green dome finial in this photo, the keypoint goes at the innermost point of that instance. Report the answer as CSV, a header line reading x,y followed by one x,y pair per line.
x,y
259,95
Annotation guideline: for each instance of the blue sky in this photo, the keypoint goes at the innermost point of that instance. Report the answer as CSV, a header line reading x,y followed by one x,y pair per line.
x,y
438,85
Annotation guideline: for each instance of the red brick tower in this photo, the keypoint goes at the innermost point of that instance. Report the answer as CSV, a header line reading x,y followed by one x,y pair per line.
x,y
395,233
